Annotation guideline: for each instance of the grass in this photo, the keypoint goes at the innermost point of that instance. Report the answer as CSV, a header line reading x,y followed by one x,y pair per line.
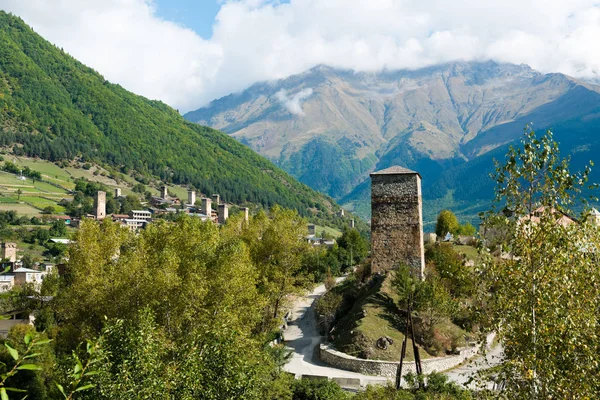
x,y
21,209
376,314
469,251
330,231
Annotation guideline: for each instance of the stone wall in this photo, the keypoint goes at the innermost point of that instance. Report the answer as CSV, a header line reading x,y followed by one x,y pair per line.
x,y
387,369
396,220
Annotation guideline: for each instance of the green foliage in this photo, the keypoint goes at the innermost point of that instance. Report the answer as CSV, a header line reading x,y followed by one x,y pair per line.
x,y
446,222
450,266
429,298
318,389
354,246
424,387
277,250
543,301
58,109
467,229
25,363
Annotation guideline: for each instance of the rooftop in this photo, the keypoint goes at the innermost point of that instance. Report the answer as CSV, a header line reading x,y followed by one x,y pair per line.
x,y
395,170
23,269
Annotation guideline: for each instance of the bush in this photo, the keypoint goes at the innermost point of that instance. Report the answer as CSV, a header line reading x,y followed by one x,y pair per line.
x,y
321,389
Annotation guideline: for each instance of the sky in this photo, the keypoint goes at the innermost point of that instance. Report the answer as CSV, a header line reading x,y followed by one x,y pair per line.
x,y
189,52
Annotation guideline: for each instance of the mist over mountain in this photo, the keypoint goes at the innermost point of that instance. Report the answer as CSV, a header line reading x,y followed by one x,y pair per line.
x,y
330,128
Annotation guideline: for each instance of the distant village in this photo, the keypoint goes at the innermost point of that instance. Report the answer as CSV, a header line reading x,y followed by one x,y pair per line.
x,y
16,274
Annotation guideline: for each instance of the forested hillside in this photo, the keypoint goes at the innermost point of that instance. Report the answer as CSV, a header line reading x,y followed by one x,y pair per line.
x,y
55,108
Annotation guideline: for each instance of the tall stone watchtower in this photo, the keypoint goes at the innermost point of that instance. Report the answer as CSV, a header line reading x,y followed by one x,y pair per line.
x,y
9,251
100,204
396,220
191,197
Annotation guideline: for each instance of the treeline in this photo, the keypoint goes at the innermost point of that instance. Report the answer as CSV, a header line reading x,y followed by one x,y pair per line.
x,y
55,108
183,310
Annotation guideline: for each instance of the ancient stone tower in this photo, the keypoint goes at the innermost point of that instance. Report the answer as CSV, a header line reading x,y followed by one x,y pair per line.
x,y
117,193
100,205
9,251
164,193
191,197
396,220
207,206
223,213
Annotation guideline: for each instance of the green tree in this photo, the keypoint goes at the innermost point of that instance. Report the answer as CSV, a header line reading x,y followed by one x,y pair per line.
x,y
356,247
19,193
543,300
277,249
48,210
467,229
58,228
446,222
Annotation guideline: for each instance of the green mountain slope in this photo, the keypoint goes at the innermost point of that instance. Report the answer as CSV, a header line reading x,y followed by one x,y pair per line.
x,y
55,108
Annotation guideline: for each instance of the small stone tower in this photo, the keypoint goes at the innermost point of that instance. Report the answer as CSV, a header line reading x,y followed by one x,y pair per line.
x,y
100,205
223,213
312,230
216,199
164,192
396,220
9,251
207,206
351,223
191,197
117,193
246,212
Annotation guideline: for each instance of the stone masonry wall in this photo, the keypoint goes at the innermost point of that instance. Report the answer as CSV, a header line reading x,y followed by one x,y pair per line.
x,y
341,360
396,222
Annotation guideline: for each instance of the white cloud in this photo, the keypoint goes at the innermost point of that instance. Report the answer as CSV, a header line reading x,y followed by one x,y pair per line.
x,y
257,40
293,104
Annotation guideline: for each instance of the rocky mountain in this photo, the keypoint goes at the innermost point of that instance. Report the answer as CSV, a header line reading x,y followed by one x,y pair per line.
x,y
330,128
55,108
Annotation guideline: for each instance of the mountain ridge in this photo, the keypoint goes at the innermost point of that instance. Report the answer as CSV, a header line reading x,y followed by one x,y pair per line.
x,y
432,119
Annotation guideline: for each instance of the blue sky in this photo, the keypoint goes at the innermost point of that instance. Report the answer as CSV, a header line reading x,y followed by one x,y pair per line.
x,y
198,15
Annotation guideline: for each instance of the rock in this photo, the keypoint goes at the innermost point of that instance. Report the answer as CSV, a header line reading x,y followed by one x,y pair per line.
x,y
382,343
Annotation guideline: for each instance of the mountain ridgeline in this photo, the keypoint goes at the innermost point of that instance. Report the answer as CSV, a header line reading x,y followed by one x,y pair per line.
x,y
330,128
55,108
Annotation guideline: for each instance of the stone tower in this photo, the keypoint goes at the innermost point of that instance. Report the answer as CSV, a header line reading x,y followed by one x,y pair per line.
x,y
396,220
246,212
164,193
100,204
223,213
216,199
9,251
207,206
117,193
191,197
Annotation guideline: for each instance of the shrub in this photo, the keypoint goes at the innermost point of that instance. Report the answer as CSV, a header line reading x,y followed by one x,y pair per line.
x,y
320,389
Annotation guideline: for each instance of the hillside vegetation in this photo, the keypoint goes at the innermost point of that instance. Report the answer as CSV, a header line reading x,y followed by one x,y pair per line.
x,y
55,108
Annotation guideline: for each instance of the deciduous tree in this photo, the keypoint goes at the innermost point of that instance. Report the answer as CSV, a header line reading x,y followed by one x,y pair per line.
x,y
543,300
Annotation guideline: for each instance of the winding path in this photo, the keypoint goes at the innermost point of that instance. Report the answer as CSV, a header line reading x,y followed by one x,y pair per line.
x,y
302,336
